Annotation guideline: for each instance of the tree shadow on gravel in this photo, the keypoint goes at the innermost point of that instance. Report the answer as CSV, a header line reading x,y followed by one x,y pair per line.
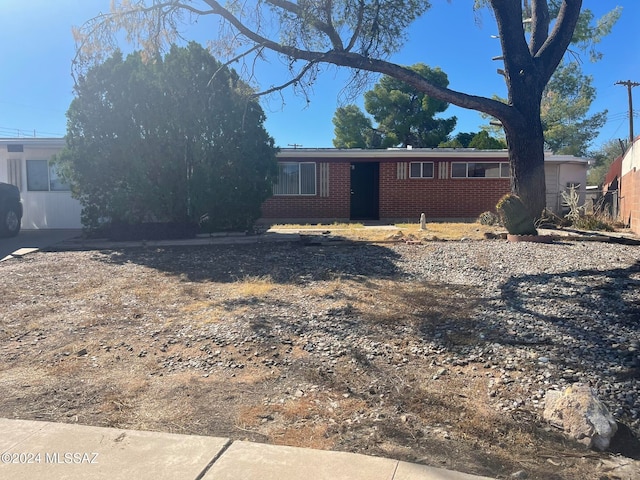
x,y
595,311
282,263
587,322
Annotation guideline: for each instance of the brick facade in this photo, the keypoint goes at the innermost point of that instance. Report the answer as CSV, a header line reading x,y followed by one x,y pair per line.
x,y
335,206
399,197
630,200
437,198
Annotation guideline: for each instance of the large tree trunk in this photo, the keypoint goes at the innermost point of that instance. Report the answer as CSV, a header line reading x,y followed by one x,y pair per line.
x,y
526,155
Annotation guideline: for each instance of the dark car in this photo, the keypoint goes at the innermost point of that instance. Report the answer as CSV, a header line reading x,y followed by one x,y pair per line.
x,y
10,210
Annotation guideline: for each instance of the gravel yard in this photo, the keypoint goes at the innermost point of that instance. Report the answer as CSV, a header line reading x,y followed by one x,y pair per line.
x,y
439,353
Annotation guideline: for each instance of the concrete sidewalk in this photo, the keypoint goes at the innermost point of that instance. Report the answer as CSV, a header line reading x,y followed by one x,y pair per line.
x,y
43,450
29,241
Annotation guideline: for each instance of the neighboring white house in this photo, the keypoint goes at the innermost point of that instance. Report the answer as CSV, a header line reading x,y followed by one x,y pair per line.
x,y
562,172
26,163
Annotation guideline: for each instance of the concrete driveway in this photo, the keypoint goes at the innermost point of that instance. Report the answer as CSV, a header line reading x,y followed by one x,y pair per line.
x,y
37,239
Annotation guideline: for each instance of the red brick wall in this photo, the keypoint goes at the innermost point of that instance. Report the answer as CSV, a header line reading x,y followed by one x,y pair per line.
x,y
399,199
630,199
437,198
336,206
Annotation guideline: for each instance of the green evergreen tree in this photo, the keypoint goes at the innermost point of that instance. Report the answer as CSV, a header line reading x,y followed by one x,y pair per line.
x,y
482,141
568,129
353,129
173,139
407,116
404,115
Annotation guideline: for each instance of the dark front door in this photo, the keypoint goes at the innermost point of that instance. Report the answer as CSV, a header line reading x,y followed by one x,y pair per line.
x,y
365,190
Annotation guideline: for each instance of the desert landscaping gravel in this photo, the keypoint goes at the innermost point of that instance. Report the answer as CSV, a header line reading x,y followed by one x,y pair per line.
x,y
568,312
438,352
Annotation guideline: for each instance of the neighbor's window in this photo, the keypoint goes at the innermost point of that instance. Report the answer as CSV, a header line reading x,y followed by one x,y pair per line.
x,y
15,148
296,178
43,177
421,170
479,170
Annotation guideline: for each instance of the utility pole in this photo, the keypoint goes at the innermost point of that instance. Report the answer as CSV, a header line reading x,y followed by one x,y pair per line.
x,y
629,84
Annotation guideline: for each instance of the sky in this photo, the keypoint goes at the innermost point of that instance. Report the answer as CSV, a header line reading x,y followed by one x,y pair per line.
x,y
37,47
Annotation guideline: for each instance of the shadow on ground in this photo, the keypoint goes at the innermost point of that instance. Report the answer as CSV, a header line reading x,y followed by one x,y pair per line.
x,y
594,315
282,262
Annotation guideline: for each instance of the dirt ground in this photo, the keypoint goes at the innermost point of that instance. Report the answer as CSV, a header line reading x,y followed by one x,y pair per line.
x,y
269,344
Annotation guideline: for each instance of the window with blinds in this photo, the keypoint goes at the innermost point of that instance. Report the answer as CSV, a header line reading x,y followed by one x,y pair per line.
x,y
296,178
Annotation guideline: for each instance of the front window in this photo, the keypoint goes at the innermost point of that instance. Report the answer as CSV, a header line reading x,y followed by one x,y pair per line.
x,y
479,170
43,177
296,178
421,170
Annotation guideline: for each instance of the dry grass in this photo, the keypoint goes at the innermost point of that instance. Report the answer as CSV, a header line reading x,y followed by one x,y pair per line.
x,y
318,226
403,231
302,421
135,342
252,287
210,303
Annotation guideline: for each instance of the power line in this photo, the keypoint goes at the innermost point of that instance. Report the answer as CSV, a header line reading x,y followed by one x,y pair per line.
x,y
7,132
629,84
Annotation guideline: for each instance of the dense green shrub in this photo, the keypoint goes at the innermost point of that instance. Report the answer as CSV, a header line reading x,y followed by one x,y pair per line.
x,y
175,140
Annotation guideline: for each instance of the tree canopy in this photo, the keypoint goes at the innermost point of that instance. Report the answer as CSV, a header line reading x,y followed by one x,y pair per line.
x,y
568,128
168,139
604,157
480,140
460,140
353,129
407,116
483,141
362,34
404,115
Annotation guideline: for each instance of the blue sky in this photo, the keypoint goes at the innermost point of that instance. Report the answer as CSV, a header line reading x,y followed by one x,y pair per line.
x,y
36,49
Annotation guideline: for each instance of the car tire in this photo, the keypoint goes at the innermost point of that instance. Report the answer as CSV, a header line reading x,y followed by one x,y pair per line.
x,y
10,222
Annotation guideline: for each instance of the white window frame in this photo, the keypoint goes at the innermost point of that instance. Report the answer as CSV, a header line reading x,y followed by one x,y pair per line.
x,y
54,183
422,164
277,191
502,166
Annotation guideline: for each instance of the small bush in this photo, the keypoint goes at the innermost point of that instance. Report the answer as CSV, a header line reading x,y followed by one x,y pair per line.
x,y
570,199
488,218
592,222
549,219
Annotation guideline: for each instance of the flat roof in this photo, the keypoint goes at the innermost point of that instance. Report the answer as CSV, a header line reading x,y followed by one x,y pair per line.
x,y
395,154
34,142
362,154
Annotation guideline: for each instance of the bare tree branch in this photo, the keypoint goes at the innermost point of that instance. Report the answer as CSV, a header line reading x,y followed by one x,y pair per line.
x,y
325,27
358,61
539,25
235,59
358,27
294,81
339,56
556,45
